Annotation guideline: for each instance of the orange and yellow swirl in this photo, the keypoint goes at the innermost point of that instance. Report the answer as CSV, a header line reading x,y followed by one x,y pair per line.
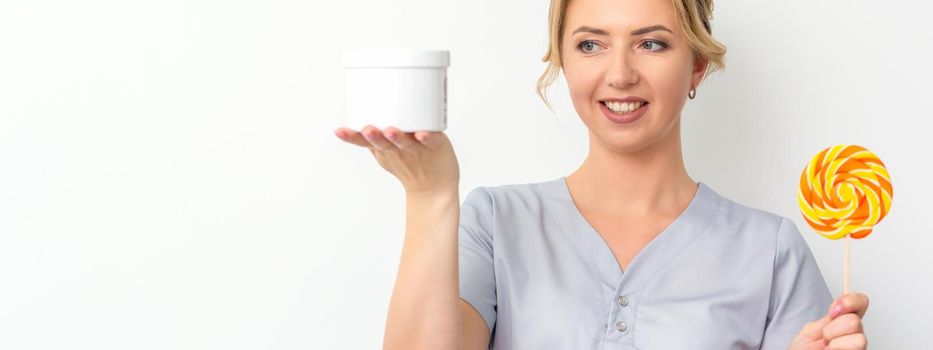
x,y
844,190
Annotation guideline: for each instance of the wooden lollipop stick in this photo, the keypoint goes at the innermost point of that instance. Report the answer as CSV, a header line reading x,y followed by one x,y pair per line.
x,y
845,286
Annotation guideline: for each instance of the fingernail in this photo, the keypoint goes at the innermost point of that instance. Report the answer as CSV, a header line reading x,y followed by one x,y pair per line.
x,y
392,136
834,311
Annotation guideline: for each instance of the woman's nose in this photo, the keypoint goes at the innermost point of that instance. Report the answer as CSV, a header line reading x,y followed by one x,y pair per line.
x,y
621,72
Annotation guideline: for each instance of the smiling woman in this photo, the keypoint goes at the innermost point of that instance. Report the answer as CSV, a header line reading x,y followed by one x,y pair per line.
x,y
628,251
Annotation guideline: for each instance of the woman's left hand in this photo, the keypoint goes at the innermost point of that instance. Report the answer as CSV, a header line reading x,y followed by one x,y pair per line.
x,y
841,328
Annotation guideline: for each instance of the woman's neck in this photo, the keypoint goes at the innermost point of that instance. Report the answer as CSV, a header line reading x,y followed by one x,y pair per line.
x,y
636,183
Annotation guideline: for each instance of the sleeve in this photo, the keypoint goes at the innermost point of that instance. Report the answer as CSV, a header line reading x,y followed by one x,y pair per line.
x,y
799,294
477,276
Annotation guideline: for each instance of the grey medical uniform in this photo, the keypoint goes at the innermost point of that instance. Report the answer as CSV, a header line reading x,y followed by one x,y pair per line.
x,y
721,276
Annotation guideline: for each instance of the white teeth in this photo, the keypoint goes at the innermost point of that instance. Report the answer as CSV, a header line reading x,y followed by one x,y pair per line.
x,y
622,107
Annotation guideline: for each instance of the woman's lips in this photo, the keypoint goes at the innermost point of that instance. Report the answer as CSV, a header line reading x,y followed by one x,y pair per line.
x,y
626,118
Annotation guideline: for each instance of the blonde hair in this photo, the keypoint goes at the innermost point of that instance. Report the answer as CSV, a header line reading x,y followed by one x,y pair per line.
x,y
692,15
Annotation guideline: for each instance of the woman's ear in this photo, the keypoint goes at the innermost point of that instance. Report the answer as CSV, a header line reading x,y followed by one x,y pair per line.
x,y
700,67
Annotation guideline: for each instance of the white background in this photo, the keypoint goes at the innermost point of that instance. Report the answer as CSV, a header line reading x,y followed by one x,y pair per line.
x,y
169,177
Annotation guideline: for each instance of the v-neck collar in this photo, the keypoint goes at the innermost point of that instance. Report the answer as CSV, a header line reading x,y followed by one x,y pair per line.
x,y
692,222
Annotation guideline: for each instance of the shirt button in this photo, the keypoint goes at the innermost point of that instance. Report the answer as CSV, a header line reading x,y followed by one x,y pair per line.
x,y
623,300
621,326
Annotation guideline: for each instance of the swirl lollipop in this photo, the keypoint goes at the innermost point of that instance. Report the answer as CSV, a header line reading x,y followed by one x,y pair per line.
x,y
844,191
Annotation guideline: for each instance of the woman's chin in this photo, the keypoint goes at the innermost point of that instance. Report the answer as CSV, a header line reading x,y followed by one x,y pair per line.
x,y
624,142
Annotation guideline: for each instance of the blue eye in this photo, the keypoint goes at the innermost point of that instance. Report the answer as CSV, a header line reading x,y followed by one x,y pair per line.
x,y
584,42
655,45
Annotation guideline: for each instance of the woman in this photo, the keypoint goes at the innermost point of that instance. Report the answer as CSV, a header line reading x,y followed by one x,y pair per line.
x,y
627,252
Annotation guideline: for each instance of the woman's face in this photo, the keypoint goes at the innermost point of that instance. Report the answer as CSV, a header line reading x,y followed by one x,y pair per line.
x,y
638,51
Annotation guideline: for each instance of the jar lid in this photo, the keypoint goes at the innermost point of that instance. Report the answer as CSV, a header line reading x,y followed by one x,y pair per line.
x,y
394,57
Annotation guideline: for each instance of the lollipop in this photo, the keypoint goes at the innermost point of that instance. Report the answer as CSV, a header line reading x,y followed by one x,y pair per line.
x,y
844,191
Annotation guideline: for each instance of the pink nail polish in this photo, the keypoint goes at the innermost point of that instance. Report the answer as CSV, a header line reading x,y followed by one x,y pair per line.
x,y
835,311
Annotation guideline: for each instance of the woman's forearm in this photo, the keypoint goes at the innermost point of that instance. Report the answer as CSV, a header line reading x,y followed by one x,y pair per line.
x,y
424,308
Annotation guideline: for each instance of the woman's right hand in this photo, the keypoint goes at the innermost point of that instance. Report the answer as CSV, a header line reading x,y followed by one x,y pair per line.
x,y
424,161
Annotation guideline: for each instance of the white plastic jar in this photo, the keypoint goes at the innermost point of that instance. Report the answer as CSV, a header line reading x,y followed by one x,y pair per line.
x,y
404,88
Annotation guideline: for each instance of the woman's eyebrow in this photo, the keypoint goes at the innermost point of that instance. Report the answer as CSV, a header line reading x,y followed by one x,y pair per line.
x,y
650,29
634,32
